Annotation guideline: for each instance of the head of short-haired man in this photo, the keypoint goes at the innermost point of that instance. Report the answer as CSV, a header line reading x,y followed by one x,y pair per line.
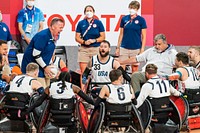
x,y
160,43
194,54
151,71
32,69
3,47
182,59
104,48
115,75
56,27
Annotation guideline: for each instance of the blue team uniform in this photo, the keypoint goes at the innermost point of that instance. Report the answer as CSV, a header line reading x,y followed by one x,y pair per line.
x,y
93,32
32,17
5,32
43,42
132,31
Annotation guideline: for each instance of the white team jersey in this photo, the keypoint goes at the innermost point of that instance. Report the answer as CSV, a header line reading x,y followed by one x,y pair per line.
x,y
58,93
100,71
192,82
56,62
156,88
22,84
164,60
119,94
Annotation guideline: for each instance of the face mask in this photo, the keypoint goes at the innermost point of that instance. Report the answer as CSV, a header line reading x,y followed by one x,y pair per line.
x,y
0,17
30,3
89,14
132,11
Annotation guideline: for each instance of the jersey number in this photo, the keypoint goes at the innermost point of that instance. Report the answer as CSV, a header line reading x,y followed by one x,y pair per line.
x,y
96,66
121,94
161,87
19,81
60,90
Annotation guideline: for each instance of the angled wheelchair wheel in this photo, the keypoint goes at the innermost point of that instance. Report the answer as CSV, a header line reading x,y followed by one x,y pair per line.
x,y
137,121
146,113
2,112
96,119
175,115
43,119
183,107
82,116
35,114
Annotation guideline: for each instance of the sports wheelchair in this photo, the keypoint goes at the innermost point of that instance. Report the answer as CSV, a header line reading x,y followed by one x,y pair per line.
x,y
192,96
115,118
66,115
165,117
13,104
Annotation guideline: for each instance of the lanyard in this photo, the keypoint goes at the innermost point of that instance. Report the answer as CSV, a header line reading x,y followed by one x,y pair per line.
x,y
91,22
32,14
129,21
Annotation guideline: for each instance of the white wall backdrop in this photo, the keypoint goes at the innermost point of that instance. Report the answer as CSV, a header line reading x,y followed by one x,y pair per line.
x,y
108,11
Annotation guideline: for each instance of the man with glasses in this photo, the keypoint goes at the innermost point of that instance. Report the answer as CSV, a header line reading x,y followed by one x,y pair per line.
x,y
163,55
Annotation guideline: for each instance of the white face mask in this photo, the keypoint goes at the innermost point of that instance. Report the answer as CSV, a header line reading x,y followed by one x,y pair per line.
x,y
30,3
0,17
132,11
89,14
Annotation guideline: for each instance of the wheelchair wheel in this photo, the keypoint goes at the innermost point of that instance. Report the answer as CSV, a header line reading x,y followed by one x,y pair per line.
x,y
35,115
96,119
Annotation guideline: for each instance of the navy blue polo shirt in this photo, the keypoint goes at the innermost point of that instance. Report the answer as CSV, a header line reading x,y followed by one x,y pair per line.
x,y
5,32
43,42
132,31
93,32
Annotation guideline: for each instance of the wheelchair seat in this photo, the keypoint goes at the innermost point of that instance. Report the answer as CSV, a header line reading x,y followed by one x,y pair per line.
x,y
15,102
113,117
165,115
62,112
118,115
192,96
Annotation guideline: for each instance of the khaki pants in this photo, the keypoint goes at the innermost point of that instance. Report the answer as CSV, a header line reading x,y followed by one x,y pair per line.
x,y
137,79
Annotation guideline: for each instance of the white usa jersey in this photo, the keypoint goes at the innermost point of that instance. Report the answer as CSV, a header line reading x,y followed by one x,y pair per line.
x,y
22,84
119,94
192,82
156,88
100,71
58,93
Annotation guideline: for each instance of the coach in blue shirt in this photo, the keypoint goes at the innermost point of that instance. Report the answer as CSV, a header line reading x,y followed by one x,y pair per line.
x,y
41,48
